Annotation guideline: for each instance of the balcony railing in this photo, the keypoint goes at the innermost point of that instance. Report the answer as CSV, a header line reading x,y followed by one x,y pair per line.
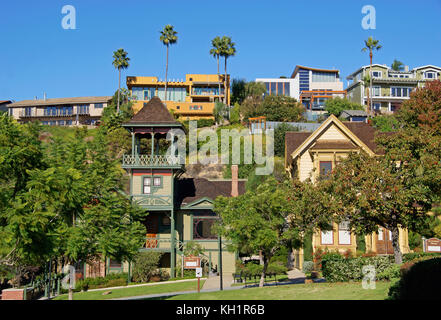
x,y
158,243
33,114
137,161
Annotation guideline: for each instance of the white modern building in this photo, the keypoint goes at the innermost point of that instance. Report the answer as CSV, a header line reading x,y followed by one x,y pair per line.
x,y
310,86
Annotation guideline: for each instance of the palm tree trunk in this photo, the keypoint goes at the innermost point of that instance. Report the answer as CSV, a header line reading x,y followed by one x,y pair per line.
x,y
225,83
370,82
119,89
166,73
218,78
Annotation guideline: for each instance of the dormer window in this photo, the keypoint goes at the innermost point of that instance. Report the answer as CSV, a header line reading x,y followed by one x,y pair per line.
x,y
377,74
430,75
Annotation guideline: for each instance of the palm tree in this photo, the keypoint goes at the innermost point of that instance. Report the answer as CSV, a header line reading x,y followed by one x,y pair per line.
x,y
371,44
216,52
397,65
227,50
168,37
120,61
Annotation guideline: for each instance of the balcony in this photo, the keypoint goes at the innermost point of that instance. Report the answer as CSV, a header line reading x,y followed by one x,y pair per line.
x,y
58,114
149,161
161,244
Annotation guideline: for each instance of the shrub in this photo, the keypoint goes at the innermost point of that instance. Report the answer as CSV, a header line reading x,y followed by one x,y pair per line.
x,y
277,268
111,280
391,272
308,266
419,255
351,269
146,266
421,282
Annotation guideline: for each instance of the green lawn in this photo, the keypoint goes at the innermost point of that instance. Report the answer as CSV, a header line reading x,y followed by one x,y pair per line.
x,y
314,291
136,291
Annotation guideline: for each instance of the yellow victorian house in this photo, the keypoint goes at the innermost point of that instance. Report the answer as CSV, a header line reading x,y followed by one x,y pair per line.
x,y
310,154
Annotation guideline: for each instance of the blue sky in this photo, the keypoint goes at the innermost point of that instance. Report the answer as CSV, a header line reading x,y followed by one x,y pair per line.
x,y
271,37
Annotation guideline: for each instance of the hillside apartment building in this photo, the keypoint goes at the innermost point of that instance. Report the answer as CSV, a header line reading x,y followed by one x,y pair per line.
x,y
60,111
390,88
311,86
191,99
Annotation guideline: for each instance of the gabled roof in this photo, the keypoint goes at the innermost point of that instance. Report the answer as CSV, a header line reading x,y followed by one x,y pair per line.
x,y
60,101
194,190
153,112
297,68
368,66
427,66
361,134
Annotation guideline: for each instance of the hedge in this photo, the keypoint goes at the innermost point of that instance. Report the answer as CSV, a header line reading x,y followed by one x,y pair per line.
x,y
341,270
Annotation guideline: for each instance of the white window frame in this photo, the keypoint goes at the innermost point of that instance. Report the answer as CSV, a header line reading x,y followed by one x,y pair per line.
x,y
435,75
324,235
344,233
147,186
374,88
380,74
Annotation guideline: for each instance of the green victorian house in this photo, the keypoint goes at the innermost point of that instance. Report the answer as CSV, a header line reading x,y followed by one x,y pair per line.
x,y
180,209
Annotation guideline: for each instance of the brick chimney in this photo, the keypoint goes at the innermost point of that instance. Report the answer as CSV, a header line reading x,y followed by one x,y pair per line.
x,y
234,180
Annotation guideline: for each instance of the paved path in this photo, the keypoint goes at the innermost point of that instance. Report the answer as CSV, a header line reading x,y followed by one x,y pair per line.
x,y
214,282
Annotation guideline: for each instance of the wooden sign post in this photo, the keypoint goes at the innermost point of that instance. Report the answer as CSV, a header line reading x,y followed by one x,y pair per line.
x,y
199,275
193,262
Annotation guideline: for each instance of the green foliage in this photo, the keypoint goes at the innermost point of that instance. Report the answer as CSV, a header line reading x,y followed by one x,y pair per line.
x,y
110,280
220,112
390,273
279,138
336,105
242,90
386,123
421,282
308,266
274,108
307,247
341,270
235,114
415,240
146,266
193,248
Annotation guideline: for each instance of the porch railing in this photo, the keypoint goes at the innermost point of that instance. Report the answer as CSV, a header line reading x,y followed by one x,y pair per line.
x,y
150,161
162,243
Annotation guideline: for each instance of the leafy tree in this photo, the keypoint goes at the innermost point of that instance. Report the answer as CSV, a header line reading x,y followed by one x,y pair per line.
x,y
264,220
336,105
168,37
386,123
120,61
371,44
397,65
235,114
282,108
279,138
219,112
242,89
379,191
423,109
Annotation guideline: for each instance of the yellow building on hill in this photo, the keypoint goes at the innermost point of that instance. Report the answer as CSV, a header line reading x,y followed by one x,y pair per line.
x,y
191,99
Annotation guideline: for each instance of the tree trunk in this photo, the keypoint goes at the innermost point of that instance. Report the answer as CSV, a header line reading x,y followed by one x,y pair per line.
x,y
261,262
265,267
71,282
367,105
70,292
396,244
119,89
218,78
166,74
225,84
